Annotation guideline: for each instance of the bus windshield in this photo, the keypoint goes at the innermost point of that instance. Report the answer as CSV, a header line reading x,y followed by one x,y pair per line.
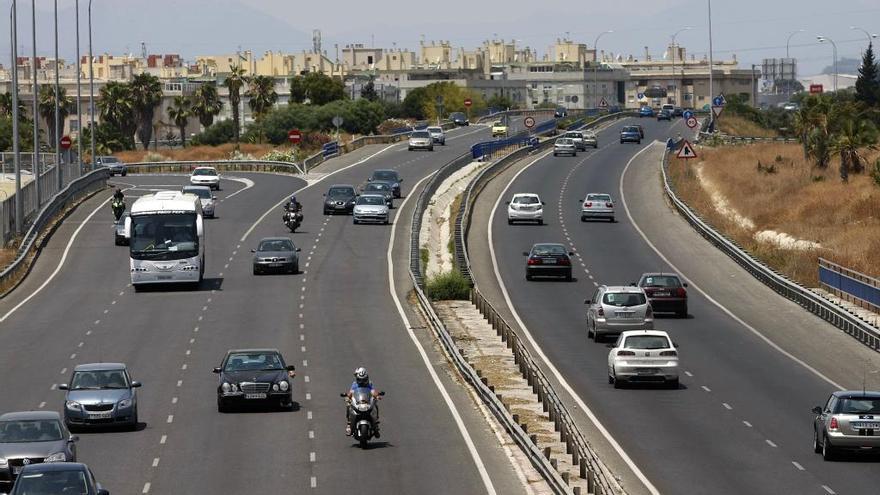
x,y
167,236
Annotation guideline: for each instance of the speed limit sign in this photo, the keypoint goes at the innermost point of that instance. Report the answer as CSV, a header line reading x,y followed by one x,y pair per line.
x,y
529,122
691,122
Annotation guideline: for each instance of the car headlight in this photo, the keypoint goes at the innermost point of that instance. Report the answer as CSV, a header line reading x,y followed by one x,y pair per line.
x,y
73,405
124,403
396,184
56,457
274,387
3,462
284,385
225,387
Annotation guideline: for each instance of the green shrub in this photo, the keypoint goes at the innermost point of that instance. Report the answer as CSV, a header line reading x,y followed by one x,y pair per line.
x,y
448,286
219,133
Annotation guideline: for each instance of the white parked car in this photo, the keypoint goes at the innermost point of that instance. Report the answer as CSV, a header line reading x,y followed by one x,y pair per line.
x,y
370,208
525,207
438,135
646,356
205,176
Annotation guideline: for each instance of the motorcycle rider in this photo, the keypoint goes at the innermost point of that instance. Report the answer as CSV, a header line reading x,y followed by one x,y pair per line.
x,y
361,380
118,195
292,206
118,203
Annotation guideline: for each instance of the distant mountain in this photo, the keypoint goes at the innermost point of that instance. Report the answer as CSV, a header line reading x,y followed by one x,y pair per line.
x,y
844,66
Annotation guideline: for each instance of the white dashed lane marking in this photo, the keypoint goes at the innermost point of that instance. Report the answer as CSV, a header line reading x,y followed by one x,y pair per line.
x,y
798,466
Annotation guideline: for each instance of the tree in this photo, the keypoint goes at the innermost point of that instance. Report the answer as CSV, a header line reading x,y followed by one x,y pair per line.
x,y
414,103
47,109
6,106
220,133
501,102
868,83
146,93
368,92
234,82
298,91
117,111
179,113
852,134
262,96
206,104
322,89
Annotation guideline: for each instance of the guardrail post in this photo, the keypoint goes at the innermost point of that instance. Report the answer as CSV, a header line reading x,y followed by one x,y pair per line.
x,y
585,474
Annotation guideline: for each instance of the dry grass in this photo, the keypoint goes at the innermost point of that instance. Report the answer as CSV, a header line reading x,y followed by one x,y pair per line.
x,y
797,199
735,125
195,153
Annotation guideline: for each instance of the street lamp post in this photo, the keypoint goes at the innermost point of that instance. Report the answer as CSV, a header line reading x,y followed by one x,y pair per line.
x,y
91,89
57,109
711,67
35,165
787,45
16,152
596,69
823,39
79,126
870,36
675,86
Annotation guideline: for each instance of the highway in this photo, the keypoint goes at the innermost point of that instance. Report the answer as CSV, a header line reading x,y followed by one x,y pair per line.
x,y
740,423
335,316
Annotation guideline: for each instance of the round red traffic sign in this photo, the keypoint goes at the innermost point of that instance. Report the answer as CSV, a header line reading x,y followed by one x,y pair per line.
x,y
65,142
294,136
468,102
529,122
691,122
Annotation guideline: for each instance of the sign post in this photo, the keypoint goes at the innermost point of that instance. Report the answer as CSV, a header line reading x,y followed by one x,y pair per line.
x,y
294,136
337,121
467,105
65,143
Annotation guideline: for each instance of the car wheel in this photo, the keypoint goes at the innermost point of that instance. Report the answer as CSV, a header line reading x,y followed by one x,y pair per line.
x,y
828,452
256,271
528,277
617,383
597,337
431,148
672,384
221,407
682,313
611,219
816,447
354,221
124,174
134,421
583,219
509,222
568,276
610,378
555,154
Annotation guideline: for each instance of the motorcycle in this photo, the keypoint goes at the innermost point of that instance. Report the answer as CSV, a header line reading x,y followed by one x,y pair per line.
x,y
118,207
293,219
365,413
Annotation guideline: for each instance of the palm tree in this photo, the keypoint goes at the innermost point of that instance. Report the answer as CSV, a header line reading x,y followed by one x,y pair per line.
x,y
234,82
6,105
146,93
117,110
47,108
262,96
206,104
179,112
852,135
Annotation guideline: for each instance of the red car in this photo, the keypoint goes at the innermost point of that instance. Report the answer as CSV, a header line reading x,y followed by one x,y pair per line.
x,y
666,292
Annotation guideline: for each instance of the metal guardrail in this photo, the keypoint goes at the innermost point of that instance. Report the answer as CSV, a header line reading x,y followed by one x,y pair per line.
x,y
77,189
220,165
838,316
860,289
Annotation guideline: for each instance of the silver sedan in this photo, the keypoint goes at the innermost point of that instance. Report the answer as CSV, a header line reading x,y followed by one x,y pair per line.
x,y
276,254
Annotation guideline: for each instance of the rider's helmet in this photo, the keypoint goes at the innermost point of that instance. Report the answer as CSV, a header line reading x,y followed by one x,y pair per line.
x,y
361,376
293,199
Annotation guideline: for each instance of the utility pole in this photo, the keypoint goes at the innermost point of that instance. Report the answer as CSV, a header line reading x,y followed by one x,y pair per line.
x,y
35,166
79,126
91,88
19,203
711,68
57,110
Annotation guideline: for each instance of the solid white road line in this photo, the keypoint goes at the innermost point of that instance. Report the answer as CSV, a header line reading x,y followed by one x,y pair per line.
x,y
247,185
561,379
478,461
709,298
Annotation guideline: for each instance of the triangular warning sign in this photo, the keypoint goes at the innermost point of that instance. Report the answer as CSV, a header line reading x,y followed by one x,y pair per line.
x,y
687,151
603,103
716,110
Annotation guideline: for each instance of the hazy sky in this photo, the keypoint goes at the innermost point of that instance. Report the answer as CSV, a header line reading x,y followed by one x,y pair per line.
x,y
751,29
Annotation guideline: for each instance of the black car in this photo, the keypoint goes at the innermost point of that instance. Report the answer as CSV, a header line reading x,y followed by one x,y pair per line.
x,y
548,260
664,115
459,119
560,112
119,237
340,198
388,175
57,477
383,188
677,112
254,376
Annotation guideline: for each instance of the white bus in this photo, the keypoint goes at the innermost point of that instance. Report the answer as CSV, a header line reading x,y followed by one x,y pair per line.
x,y
166,238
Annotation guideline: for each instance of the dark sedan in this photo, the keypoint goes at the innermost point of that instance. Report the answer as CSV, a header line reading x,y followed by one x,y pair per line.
x,y
666,292
548,260
664,115
101,394
57,478
340,198
459,119
254,376
390,176
32,437
382,188
276,254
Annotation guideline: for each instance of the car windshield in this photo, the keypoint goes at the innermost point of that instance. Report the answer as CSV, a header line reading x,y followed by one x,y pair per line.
x,y
371,200
526,200
276,245
420,134
436,130
376,186
624,298
574,135
167,236
253,361
340,192
564,141
201,193
859,406
630,129
52,482
25,431
204,171
498,124
660,281
388,175
548,250
99,379
598,197
109,159
646,342
457,115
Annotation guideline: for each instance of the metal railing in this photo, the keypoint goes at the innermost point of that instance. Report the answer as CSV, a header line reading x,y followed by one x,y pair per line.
x,y
833,313
185,167
860,289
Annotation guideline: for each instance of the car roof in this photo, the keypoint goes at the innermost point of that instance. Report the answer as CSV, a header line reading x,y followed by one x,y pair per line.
x,y
598,193
623,288
373,195
857,394
547,244
340,186
280,238
517,195
205,168
652,333
196,188
30,415
235,351
99,367
435,127
46,467
385,170
660,274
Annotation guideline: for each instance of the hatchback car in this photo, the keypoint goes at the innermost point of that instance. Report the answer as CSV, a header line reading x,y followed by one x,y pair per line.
x,y
381,188
499,129
371,208
616,309
119,237
421,140
630,134
254,376
340,198
548,260
57,478
459,119
114,165
390,176
276,254
578,138
664,115
597,205
647,356
32,437
100,394
849,421
666,292
564,146
438,135
646,111
205,176
590,139
208,200
525,207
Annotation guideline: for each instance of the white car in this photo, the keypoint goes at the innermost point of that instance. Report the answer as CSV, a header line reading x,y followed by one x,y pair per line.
x,y
438,135
647,356
421,140
525,207
205,176
597,205
370,208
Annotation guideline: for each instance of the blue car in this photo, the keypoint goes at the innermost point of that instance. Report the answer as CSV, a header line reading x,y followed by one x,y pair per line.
x,y
646,112
630,134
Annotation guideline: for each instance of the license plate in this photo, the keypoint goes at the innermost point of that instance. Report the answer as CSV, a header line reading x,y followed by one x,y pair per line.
x,y
254,396
104,415
661,294
163,277
647,371
623,314
866,426
276,265
16,469
549,261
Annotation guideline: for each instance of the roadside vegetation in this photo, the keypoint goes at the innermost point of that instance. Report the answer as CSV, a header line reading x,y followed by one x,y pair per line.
x,y
448,286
